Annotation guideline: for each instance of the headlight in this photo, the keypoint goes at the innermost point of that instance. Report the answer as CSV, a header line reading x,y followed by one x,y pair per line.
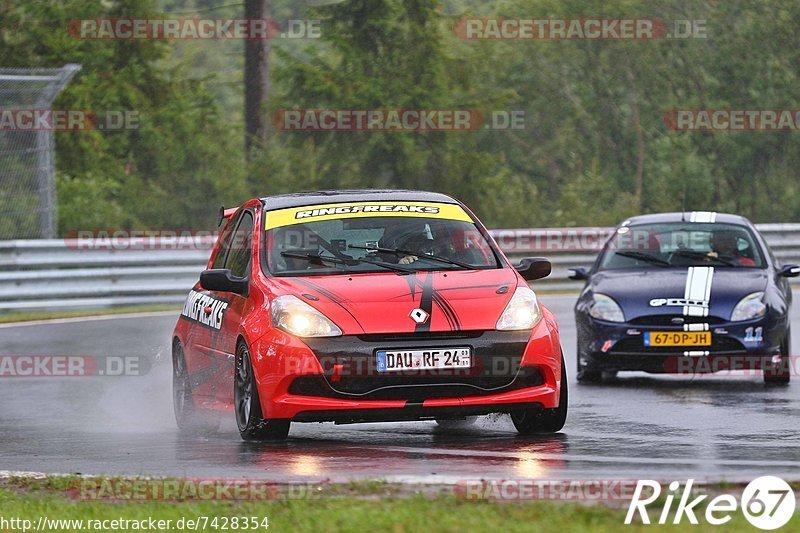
x,y
605,308
522,311
292,314
749,307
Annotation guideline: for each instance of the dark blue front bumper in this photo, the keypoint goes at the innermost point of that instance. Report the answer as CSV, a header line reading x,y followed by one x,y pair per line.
x,y
613,346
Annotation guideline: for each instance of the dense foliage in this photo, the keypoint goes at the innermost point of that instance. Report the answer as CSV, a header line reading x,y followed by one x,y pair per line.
x,y
595,147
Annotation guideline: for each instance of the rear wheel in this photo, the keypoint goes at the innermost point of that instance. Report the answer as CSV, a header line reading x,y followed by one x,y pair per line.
x,y
780,373
531,421
189,418
252,425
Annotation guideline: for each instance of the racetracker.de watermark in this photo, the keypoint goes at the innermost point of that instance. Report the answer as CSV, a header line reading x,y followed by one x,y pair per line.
x,y
416,120
141,240
201,489
431,363
72,366
733,119
698,363
515,490
37,119
193,29
617,29
560,239
592,239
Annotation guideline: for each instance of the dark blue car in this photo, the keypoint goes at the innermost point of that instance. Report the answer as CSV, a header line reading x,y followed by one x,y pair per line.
x,y
685,293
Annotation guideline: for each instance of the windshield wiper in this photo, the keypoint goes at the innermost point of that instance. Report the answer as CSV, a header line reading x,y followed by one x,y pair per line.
x,y
399,251
644,257
321,259
693,254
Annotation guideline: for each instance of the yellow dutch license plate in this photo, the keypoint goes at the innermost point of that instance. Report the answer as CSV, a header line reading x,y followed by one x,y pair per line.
x,y
677,338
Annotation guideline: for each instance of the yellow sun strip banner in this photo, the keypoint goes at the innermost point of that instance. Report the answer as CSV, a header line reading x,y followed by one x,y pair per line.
x,y
316,213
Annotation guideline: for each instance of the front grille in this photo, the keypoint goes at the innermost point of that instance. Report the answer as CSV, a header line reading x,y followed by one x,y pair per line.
x,y
666,320
636,345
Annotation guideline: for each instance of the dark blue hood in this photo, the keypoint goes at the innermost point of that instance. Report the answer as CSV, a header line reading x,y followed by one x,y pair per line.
x,y
633,289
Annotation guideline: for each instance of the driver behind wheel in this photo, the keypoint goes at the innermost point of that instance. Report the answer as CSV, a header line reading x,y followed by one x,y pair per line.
x,y
724,245
405,235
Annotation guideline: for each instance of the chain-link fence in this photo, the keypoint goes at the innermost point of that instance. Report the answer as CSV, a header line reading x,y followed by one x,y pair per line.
x,y
27,154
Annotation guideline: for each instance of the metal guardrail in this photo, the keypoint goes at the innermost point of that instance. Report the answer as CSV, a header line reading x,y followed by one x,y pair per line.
x,y
63,274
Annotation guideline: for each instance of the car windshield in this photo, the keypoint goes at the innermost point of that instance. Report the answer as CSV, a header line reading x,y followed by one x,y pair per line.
x,y
367,242
680,245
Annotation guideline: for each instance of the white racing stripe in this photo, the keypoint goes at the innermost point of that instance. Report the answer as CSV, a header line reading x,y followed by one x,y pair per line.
x,y
698,289
703,216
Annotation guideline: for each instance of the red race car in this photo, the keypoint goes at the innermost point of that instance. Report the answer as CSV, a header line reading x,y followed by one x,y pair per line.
x,y
364,306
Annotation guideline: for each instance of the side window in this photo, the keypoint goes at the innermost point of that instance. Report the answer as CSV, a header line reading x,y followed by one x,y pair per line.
x,y
241,247
225,244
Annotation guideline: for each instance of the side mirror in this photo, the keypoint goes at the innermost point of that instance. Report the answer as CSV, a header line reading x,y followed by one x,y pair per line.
x,y
789,271
532,268
222,280
578,273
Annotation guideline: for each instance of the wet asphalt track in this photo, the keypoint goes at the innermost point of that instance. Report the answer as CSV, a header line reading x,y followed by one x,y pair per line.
x,y
638,426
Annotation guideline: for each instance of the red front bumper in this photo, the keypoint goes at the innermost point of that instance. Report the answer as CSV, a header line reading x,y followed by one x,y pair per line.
x,y
279,359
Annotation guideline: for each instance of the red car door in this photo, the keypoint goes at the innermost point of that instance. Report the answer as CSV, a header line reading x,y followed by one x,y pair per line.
x,y
206,312
238,262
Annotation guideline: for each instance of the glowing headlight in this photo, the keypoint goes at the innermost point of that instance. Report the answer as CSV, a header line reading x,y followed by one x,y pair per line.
x,y
605,308
749,307
522,311
292,314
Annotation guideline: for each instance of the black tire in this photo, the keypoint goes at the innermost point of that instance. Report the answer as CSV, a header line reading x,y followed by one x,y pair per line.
x,y
781,373
587,376
252,425
449,423
188,417
531,421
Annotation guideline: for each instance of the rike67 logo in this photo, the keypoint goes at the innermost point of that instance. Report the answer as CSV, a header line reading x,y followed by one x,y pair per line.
x,y
767,502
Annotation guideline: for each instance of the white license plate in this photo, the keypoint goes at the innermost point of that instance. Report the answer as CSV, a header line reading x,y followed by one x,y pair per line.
x,y
425,359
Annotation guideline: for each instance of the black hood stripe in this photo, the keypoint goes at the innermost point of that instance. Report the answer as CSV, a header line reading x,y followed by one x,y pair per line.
x,y
426,302
449,312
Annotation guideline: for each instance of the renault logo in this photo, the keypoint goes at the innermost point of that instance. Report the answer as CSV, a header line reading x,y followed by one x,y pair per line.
x,y
419,316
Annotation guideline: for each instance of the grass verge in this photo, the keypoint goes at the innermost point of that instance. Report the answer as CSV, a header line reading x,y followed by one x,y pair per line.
x,y
26,316
358,506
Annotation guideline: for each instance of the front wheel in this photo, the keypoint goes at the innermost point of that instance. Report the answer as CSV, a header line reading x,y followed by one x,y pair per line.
x,y
587,376
531,421
780,373
252,425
